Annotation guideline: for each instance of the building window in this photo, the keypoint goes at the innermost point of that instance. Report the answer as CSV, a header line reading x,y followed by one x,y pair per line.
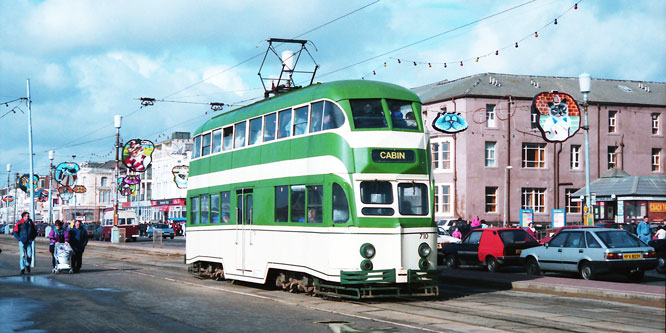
x,y
534,198
445,199
534,155
490,116
446,156
572,207
656,160
490,154
436,199
491,199
612,121
612,157
104,181
435,155
574,157
655,124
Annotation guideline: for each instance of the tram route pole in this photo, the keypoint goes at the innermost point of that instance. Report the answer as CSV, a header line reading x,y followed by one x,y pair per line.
x,y
117,122
30,184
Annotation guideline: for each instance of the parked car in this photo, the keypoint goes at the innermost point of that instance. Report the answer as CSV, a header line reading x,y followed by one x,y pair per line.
x,y
553,233
97,234
592,252
489,247
91,229
659,246
167,231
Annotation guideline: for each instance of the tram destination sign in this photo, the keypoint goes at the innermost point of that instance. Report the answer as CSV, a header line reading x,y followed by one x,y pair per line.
x,y
393,155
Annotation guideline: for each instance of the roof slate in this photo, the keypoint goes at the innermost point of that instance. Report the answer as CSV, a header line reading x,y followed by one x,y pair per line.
x,y
627,186
527,86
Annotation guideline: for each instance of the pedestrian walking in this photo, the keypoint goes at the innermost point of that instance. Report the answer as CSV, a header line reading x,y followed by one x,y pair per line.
x,y
532,231
643,230
457,234
57,235
25,232
476,223
78,239
661,232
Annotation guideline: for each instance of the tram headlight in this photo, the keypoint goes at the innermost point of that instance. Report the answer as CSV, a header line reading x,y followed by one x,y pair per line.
x,y
424,264
424,250
367,250
366,265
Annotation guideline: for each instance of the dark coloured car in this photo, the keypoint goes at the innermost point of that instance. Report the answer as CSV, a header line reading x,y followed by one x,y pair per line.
x,y
164,229
91,229
489,247
659,246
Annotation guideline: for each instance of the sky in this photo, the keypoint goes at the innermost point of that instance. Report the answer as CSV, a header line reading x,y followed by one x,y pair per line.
x,y
90,60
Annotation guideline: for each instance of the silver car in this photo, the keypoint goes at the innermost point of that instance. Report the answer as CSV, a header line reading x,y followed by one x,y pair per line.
x,y
591,252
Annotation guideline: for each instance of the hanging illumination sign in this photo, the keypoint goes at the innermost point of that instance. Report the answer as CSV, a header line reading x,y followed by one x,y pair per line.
x,y
137,154
558,116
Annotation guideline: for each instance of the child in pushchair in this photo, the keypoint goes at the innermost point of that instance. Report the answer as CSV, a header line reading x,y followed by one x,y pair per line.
x,y
63,257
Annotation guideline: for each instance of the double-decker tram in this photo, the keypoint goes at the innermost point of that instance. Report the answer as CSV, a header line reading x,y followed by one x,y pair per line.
x,y
324,189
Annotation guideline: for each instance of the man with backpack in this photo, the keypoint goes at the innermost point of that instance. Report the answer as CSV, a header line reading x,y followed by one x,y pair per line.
x,y
25,232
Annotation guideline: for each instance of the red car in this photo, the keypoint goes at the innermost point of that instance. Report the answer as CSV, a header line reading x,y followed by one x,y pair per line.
x,y
552,233
489,247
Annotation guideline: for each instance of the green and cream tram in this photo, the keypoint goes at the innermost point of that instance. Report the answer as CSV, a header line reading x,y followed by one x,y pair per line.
x,y
323,189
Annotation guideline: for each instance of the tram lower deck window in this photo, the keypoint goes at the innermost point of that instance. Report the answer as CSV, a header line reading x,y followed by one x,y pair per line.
x,y
413,199
376,192
194,208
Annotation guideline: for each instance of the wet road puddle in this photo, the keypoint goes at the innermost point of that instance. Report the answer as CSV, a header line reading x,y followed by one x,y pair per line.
x,y
46,282
15,312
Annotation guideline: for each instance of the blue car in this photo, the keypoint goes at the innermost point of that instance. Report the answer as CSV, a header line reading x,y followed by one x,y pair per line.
x,y
166,230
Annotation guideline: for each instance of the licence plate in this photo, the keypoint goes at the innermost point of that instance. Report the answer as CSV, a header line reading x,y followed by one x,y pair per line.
x,y
632,256
518,251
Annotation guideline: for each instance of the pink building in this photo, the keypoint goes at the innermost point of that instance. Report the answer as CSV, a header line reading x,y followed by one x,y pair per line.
x,y
627,125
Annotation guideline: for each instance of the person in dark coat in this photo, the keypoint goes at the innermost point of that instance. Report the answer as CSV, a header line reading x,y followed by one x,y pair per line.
x,y
57,235
25,232
78,239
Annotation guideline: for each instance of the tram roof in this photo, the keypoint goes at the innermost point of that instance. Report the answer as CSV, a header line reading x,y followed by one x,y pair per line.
x,y
336,90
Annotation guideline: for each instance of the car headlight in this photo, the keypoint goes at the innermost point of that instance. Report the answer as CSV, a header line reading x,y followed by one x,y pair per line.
x,y
424,250
367,251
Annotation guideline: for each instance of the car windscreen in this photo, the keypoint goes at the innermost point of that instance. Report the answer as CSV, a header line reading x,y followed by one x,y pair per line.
x,y
515,236
619,239
162,226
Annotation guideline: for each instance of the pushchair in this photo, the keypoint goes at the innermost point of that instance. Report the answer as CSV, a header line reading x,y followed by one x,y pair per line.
x,y
63,258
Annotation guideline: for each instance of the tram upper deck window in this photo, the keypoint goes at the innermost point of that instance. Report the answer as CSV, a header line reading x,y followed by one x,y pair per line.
x,y
205,145
368,113
284,124
316,116
325,115
402,115
376,192
239,140
255,131
217,141
269,127
196,152
340,204
300,120
227,138
194,209
413,199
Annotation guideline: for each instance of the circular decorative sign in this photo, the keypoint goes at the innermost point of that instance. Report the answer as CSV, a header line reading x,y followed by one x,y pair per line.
x,y
137,154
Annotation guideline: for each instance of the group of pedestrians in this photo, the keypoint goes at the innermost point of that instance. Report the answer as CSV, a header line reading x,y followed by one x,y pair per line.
x,y
25,232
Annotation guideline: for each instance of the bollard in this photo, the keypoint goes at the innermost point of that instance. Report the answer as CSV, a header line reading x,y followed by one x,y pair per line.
x,y
114,235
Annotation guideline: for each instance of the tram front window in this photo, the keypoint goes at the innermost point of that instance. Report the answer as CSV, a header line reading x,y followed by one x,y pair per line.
x,y
413,199
402,115
368,113
376,192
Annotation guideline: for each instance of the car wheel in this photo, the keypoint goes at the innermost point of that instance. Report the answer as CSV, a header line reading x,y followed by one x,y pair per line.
x,y
586,271
491,264
636,275
532,267
660,266
171,236
451,262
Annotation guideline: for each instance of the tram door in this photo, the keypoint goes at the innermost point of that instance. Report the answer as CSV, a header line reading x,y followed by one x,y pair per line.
x,y
244,230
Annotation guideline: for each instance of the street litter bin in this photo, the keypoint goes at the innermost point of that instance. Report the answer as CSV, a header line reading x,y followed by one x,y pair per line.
x,y
114,234
157,237
121,235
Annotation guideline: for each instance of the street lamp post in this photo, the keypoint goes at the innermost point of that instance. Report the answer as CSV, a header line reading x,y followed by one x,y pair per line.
x,y
51,157
117,122
584,81
506,191
9,172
